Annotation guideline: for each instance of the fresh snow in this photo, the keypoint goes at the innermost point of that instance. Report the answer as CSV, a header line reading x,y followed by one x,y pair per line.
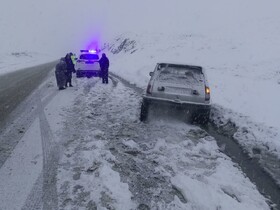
x,y
21,171
13,61
242,90
95,167
110,160
237,42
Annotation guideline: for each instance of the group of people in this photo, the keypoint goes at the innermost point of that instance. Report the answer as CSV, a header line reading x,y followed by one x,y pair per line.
x,y
66,66
64,70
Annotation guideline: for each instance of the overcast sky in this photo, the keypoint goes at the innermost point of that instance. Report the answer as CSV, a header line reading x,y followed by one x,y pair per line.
x,y
58,26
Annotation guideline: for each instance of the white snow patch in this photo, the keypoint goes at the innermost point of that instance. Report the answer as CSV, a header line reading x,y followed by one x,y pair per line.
x,y
21,170
20,60
130,143
56,109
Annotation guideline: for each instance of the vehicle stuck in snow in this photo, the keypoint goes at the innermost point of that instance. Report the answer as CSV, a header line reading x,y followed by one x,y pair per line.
x,y
178,85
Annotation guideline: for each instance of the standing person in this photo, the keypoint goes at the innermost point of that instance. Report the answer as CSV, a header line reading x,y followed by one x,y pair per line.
x,y
60,74
104,65
70,69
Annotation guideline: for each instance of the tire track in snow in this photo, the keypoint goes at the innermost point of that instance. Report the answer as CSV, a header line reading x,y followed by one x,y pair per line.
x,y
144,188
22,119
266,185
43,194
110,117
34,199
88,87
50,162
71,194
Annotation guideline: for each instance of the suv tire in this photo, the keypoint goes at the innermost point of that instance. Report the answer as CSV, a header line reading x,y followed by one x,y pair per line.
x,y
144,111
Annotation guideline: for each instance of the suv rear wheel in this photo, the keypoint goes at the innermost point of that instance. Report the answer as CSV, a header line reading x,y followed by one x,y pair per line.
x,y
144,111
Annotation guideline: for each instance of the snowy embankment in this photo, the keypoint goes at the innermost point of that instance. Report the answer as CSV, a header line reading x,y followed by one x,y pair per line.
x,y
113,161
244,79
18,60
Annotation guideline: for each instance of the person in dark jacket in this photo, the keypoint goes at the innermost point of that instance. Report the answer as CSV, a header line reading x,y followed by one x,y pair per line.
x,y
70,69
104,65
60,74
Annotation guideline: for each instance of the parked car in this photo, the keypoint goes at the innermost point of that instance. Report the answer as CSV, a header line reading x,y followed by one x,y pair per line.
x,y
87,64
180,85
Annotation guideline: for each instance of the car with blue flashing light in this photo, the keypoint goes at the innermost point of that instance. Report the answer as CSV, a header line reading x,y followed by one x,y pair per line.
x,y
178,85
87,64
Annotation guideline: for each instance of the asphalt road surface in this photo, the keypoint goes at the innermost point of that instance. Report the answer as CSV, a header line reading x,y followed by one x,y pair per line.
x,y
16,86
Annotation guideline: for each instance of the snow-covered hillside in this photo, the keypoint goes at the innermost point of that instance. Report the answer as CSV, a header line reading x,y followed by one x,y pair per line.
x,y
18,60
57,27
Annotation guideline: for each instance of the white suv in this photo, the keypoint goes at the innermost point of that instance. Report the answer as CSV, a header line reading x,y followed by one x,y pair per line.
x,y
178,85
88,64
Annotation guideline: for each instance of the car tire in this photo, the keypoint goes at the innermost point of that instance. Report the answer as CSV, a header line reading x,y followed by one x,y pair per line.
x,y
144,111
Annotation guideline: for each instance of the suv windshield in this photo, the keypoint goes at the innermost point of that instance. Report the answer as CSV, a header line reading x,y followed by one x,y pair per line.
x,y
180,75
89,57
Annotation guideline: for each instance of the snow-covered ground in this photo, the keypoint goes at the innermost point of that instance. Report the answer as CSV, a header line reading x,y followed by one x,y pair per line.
x,y
244,85
13,61
96,154
117,162
108,158
108,151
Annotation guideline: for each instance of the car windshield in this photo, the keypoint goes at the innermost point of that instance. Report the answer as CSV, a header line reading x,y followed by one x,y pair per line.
x,y
180,75
89,57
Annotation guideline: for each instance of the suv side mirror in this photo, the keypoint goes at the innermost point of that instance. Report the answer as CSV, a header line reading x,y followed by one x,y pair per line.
x,y
151,74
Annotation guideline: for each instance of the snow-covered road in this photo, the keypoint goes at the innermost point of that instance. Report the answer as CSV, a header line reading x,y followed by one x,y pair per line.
x,y
16,86
29,152
84,148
